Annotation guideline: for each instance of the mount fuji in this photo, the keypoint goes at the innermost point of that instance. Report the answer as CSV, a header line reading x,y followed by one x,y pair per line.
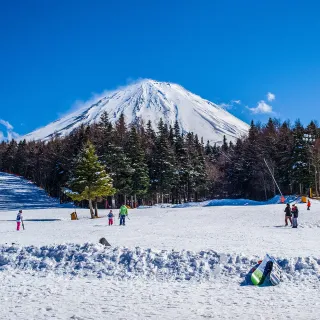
x,y
151,100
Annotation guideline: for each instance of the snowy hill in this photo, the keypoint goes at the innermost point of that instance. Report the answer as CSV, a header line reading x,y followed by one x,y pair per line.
x,y
18,193
152,100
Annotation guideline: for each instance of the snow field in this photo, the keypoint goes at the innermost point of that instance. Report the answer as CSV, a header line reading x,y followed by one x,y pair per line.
x,y
166,263
35,297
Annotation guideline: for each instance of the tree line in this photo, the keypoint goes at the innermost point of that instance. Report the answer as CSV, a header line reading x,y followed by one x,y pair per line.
x,y
159,165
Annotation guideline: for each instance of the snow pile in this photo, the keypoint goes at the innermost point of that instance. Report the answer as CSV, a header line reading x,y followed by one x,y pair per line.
x,y
152,100
123,263
226,202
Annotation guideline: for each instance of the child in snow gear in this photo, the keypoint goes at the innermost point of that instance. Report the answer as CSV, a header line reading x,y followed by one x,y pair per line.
x,y
288,214
110,216
308,205
19,219
122,215
295,213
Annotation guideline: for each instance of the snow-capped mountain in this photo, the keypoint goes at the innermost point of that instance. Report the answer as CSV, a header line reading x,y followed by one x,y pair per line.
x,y
151,100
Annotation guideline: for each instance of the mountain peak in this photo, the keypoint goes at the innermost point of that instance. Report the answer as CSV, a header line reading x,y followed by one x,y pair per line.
x,y
146,100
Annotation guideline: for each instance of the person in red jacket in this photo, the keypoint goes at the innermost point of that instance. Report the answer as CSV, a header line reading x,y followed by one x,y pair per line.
x,y
308,204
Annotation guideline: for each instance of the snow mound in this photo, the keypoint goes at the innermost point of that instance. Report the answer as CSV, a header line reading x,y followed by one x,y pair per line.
x,y
123,263
226,202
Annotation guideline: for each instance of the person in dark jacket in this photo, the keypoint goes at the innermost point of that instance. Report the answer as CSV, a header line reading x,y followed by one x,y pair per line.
x,y
288,214
295,213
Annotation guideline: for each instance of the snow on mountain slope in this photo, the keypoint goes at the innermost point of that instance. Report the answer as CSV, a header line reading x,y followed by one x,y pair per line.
x,y
152,100
18,193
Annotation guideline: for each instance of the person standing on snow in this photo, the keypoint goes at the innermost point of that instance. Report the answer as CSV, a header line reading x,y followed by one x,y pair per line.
x,y
110,216
295,213
308,204
288,214
19,219
122,215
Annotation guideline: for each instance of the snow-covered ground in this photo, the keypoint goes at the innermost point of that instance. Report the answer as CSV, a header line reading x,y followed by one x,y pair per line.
x,y
166,263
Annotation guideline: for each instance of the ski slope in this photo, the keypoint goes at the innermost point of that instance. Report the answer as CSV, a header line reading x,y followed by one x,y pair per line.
x,y
18,193
151,100
166,263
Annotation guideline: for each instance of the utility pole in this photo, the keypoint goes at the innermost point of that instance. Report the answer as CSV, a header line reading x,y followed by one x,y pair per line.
x,y
265,161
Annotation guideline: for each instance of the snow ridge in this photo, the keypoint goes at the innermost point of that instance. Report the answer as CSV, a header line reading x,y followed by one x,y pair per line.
x,y
151,100
123,263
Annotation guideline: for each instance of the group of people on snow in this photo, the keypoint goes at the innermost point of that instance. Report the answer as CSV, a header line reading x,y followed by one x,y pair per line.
x,y
123,213
292,213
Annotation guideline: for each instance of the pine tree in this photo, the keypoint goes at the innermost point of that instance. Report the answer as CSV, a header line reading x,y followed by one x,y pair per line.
x,y
300,164
162,176
140,175
224,144
199,168
90,180
21,158
181,163
9,156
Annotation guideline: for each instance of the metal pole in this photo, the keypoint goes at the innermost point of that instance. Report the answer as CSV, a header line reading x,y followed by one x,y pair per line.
x,y
273,177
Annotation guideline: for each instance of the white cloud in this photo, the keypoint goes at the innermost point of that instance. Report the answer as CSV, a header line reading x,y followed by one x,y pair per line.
x,y
261,108
230,104
6,124
271,96
225,105
10,134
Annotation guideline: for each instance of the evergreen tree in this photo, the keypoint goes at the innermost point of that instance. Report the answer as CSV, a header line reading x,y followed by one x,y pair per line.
x,y
20,161
140,175
162,175
199,169
90,180
9,156
300,164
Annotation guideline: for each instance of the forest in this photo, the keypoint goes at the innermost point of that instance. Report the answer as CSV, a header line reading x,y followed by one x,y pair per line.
x,y
159,165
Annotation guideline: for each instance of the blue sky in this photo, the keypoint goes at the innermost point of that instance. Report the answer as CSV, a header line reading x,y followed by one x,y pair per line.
x,y
54,53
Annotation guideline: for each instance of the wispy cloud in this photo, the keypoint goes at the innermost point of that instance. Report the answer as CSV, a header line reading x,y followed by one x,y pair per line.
x,y
230,105
271,96
6,124
10,134
225,105
262,108
85,104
